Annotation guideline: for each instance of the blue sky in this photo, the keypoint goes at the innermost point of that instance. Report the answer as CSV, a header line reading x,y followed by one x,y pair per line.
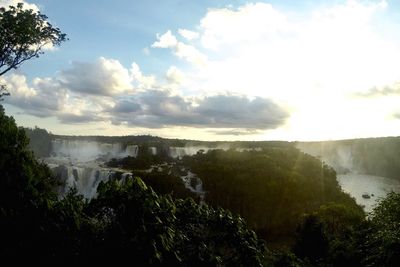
x,y
215,70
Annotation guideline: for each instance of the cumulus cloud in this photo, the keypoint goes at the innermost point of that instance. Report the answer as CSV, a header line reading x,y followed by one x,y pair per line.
x,y
42,99
248,23
167,40
46,97
174,75
330,48
103,77
70,97
181,50
141,81
188,35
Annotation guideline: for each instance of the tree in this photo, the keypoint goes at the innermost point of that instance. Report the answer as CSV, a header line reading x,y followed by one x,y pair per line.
x,y
3,91
383,238
23,36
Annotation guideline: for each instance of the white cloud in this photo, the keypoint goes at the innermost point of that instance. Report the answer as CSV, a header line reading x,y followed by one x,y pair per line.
x,y
174,75
7,3
167,40
142,81
188,35
103,77
182,50
43,98
249,23
304,60
18,85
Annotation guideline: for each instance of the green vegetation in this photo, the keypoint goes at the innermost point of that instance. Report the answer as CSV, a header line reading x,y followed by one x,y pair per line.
x,y
271,188
128,221
383,236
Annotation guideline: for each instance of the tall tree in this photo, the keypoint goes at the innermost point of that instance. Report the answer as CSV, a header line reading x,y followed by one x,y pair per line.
x,y
23,35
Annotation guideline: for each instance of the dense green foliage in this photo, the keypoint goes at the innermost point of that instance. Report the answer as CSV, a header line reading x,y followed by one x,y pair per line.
x,y
383,238
25,192
271,188
129,222
165,184
152,229
331,236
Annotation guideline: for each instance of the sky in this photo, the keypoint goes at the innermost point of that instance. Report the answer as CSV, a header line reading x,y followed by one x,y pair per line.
x,y
214,70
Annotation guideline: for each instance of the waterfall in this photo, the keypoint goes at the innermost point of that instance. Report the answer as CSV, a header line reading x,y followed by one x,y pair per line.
x,y
132,150
84,179
84,151
153,150
194,184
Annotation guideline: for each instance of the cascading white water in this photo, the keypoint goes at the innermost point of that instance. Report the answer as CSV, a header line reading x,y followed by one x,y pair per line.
x,y
194,184
77,163
84,179
153,150
132,150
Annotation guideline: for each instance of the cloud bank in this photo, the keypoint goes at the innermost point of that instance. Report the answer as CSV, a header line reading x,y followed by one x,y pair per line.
x,y
243,70
108,92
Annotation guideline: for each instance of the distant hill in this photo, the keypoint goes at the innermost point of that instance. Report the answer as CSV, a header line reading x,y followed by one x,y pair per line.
x,y
373,156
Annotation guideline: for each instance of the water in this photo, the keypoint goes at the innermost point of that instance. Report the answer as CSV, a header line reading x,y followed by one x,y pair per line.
x,y
375,186
79,164
194,184
85,151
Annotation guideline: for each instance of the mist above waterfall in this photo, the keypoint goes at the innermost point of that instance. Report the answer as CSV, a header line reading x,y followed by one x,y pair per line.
x,y
338,156
84,151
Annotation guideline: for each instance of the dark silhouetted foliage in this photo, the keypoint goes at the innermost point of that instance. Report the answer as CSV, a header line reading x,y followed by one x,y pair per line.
x,y
23,35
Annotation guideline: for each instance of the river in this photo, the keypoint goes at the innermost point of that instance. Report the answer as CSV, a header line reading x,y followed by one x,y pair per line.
x,y
375,186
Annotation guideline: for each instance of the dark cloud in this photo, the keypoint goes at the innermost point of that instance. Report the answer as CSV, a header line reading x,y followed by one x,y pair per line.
x,y
161,109
126,106
240,112
236,132
381,91
70,118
